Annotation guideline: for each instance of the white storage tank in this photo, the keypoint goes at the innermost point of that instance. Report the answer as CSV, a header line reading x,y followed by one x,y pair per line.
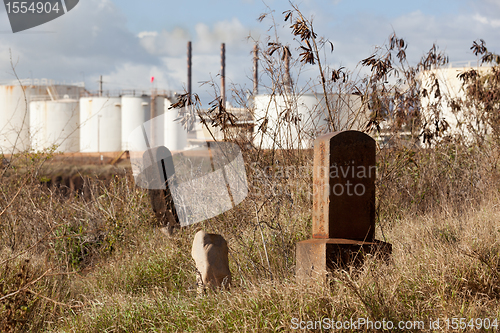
x,y
100,124
55,123
135,112
450,86
161,130
14,119
292,121
175,134
153,129
14,110
295,121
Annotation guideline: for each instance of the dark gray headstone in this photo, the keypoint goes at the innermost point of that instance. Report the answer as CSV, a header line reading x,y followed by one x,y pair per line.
x,y
344,186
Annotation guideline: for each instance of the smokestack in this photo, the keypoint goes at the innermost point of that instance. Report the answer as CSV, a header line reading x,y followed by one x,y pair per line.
x,y
189,69
288,80
223,74
255,70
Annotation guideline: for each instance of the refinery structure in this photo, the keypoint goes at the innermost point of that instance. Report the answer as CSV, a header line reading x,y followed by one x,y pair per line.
x,y
67,118
39,114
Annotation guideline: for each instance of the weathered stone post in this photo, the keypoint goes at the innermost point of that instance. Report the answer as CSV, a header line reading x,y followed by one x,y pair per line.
x,y
160,169
343,205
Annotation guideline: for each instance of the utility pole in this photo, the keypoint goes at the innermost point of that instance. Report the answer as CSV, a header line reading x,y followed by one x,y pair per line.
x,y
100,86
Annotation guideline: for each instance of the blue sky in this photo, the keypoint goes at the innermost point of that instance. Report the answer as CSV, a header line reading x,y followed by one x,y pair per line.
x,y
130,41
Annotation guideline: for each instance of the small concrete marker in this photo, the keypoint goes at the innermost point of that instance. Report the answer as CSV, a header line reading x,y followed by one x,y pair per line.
x,y
210,253
343,225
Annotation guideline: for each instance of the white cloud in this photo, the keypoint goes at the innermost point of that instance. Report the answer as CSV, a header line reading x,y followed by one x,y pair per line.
x,y
484,20
92,38
165,43
356,36
486,7
206,39
229,32
454,34
171,46
147,34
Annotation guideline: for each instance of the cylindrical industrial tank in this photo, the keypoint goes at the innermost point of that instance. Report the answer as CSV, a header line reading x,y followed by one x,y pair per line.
x,y
100,124
55,123
14,120
159,123
175,133
288,122
150,133
135,112
14,116
14,111
285,122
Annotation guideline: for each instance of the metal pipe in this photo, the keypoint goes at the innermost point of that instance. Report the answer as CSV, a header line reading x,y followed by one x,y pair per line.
x,y
50,94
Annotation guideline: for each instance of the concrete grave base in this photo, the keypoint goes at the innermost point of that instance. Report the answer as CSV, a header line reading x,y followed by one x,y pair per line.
x,y
316,257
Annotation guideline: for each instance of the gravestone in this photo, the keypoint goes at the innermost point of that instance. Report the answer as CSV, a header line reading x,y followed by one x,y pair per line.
x,y
160,169
210,253
343,225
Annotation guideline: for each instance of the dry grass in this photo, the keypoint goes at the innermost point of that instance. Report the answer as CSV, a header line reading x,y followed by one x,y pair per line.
x,y
100,265
443,266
